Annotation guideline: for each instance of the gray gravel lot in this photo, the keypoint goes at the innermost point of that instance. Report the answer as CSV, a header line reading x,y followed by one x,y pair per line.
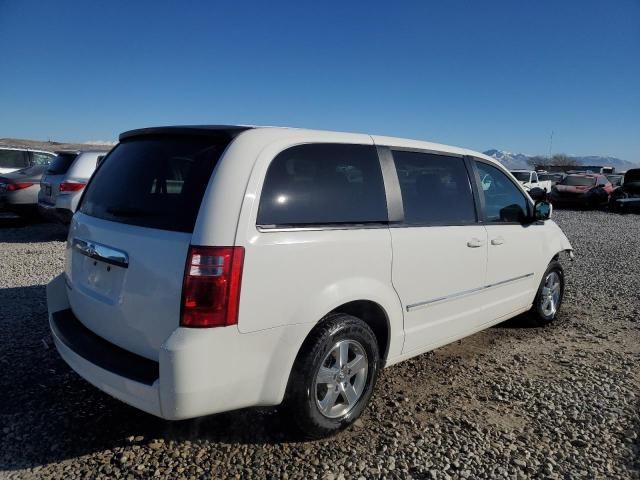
x,y
509,402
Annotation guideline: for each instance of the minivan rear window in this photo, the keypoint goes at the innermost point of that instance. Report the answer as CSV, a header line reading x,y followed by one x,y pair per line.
x,y
61,163
154,181
323,184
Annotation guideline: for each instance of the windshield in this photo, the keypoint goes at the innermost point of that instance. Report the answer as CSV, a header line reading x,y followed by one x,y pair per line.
x,y
521,176
615,179
61,163
154,182
578,181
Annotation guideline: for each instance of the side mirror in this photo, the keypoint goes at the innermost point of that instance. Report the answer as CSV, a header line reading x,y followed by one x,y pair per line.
x,y
542,210
538,194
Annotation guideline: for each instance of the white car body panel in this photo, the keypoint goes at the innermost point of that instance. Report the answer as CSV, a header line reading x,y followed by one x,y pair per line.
x,y
114,302
433,303
433,287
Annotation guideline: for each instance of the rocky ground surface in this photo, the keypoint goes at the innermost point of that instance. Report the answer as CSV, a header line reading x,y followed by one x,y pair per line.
x,y
53,146
510,402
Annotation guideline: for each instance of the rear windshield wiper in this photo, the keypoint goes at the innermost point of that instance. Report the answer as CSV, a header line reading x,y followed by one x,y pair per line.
x,y
129,212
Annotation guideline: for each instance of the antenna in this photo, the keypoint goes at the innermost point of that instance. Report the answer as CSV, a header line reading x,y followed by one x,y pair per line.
x,y
550,143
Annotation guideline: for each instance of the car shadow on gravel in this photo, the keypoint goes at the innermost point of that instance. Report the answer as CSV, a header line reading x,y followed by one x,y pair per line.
x,y
26,230
48,413
522,321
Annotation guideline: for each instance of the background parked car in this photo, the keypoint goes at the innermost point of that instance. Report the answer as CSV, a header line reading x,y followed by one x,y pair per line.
x,y
582,190
19,190
16,158
616,179
62,184
554,178
529,179
627,196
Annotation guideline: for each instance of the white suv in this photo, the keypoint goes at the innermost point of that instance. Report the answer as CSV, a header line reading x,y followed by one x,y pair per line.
x,y
215,268
62,184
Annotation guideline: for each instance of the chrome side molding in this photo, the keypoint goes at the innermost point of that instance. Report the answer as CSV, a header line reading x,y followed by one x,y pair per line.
x,y
105,254
464,293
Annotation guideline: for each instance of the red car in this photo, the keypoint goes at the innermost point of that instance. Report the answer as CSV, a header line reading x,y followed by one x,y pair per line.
x,y
589,190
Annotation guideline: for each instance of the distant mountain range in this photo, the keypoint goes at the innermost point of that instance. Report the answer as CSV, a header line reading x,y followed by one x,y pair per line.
x,y
519,160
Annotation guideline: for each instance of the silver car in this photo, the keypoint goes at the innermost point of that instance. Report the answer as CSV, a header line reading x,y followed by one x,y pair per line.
x,y
62,185
19,190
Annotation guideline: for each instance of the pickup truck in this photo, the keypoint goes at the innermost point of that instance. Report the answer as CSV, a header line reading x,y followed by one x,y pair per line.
x,y
529,179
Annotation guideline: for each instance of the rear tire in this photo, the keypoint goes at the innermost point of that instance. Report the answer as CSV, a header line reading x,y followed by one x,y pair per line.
x,y
333,376
548,300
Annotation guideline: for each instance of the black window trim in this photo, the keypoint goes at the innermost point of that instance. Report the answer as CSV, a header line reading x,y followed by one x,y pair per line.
x,y
478,187
387,181
398,192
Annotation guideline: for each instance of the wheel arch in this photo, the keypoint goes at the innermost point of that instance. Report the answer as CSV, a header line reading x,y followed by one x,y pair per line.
x,y
374,315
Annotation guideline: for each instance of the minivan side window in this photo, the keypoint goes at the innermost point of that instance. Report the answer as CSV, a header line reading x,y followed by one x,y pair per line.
x,y
503,201
323,184
435,188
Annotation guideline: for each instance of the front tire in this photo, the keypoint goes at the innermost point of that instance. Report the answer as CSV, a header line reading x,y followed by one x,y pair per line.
x,y
548,300
333,376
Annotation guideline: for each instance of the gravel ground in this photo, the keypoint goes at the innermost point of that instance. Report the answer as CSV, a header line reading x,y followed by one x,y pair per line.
x,y
509,402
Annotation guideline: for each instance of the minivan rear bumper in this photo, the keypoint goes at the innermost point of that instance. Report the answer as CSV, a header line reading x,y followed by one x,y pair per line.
x,y
199,371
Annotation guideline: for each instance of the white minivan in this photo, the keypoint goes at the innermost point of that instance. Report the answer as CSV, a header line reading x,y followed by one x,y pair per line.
x,y
215,268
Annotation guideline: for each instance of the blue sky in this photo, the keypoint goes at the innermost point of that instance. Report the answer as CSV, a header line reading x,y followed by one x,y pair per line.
x,y
484,74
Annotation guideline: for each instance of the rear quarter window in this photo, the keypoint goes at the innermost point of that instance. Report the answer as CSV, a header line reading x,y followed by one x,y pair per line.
x,y
154,182
323,184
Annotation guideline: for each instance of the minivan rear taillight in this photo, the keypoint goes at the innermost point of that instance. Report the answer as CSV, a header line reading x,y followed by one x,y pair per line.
x,y
211,287
71,186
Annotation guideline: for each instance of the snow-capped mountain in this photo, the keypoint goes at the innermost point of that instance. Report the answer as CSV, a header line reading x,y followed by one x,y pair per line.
x,y
509,159
519,160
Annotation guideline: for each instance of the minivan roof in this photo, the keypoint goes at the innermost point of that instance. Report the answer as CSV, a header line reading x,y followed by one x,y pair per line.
x,y
233,131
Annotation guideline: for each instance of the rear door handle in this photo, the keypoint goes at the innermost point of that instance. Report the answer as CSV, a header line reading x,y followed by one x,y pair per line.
x,y
475,243
497,241
105,254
